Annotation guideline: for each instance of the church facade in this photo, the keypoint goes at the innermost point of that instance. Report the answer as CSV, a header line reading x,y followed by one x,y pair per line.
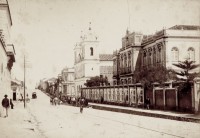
x,y
89,62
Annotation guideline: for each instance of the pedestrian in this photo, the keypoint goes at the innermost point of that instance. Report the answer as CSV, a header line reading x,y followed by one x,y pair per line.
x,y
5,104
148,103
55,100
82,101
11,104
21,97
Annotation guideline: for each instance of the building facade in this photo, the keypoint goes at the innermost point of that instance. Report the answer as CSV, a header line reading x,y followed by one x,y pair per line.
x,y
88,62
126,60
169,46
7,51
17,88
68,85
106,66
166,47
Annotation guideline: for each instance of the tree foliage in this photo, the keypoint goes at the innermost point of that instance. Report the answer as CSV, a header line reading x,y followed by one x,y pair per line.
x,y
148,76
96,81
186,68
186,74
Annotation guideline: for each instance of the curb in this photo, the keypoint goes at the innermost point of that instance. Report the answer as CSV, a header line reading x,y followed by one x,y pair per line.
x,y
178,118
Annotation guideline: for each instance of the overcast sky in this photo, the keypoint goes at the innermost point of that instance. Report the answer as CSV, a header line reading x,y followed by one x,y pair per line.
x,y
48,29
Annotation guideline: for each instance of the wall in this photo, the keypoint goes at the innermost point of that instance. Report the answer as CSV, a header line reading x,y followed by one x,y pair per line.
x,y
130,95
182,44
172,99
5,82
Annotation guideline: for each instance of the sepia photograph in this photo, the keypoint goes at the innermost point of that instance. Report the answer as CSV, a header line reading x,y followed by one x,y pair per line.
x,y
100,68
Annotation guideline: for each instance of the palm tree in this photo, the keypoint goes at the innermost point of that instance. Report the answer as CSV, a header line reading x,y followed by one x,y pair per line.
x,y
186,67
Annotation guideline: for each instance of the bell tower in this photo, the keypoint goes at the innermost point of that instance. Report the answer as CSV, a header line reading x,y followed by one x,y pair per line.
x,y
86,59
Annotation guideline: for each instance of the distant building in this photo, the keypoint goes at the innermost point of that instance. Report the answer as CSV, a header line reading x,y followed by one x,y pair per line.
x,y
106,66
68,85
7,51
88,61
165,48
17,88
43,85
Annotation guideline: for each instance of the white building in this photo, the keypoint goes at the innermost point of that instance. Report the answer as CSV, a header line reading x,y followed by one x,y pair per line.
x,y
87,60
17,88
7,50
68,85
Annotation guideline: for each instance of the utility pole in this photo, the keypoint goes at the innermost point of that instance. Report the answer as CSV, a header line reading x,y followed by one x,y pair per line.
x,y
24,81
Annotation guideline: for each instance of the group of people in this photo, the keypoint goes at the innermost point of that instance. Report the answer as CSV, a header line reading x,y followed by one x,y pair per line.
x,y
6,103
81,102
54,101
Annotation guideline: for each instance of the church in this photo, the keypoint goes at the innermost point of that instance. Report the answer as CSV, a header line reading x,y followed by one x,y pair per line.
x,y
89,62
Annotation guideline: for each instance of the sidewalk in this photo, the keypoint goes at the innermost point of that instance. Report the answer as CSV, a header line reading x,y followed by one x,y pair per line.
x,y
151,113
18,124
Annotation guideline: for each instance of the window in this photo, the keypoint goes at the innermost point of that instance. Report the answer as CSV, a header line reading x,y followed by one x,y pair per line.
x,y
79,57
149,58
91,51
175,54
159,54
144,58
137,39
154,56
191,54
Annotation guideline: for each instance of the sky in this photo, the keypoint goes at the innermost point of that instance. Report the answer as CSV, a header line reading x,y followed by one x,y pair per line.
x,y
47,30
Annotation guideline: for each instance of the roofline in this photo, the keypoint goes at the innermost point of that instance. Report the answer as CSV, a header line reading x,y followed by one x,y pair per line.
x,y
165,37
7,5
9,13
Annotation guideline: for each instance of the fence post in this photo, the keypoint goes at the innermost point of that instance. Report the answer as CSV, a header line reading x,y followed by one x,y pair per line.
x,y
176,91
164,102
154,97
193,101
197,94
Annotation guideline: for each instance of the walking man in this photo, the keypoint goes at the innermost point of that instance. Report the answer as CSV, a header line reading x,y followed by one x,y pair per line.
x,y
82,101
148,103
5,104
11,104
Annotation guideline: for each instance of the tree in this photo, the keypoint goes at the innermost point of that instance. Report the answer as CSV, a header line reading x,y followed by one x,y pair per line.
x,y
186,74
186,68
96,81
147,76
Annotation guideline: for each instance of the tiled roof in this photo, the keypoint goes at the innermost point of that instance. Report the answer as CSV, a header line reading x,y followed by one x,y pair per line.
x,y
105,57
185,27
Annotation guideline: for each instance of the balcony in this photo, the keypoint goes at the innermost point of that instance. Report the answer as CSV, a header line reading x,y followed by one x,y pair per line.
x,y
10,51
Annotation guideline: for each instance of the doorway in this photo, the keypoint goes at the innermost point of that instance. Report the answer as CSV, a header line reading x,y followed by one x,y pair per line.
x,y
14,96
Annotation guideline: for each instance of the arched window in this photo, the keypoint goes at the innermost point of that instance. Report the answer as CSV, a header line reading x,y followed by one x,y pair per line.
x,y
175,54
79,57
91,51
154,56
191,54
144,58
